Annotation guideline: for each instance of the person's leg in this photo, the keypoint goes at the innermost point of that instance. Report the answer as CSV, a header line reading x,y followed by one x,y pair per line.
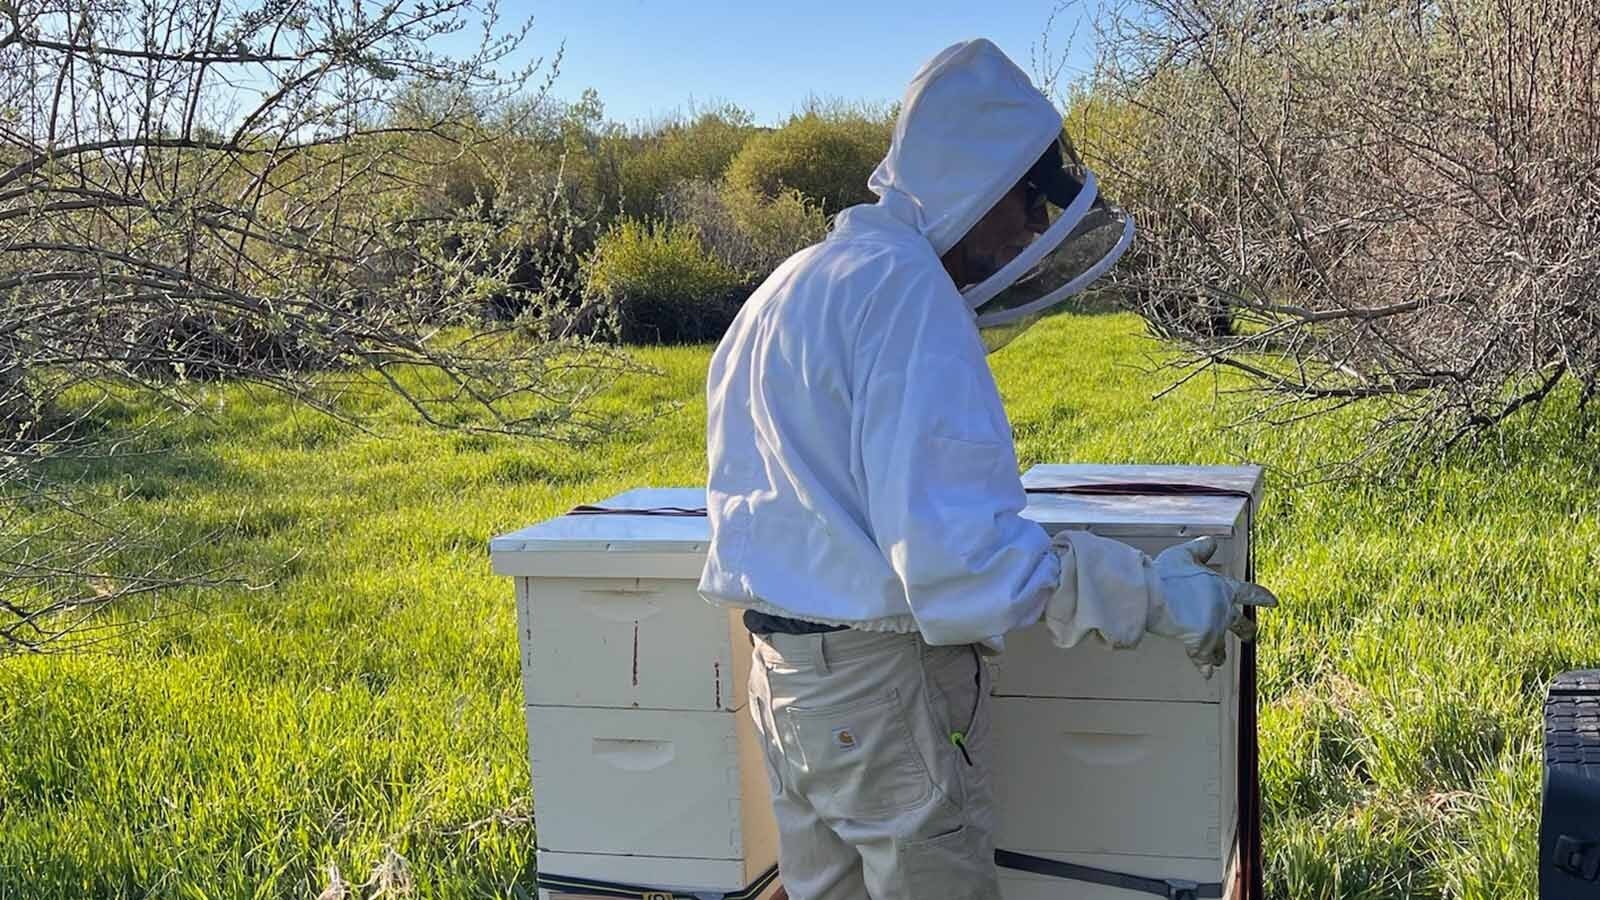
x,y
963,679
865,731
944,848
813,862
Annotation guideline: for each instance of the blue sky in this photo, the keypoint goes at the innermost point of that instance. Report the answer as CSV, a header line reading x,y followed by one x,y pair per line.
x,y
648,58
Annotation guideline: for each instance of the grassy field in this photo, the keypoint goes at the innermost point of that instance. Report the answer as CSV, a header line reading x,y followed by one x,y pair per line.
x,y
362,713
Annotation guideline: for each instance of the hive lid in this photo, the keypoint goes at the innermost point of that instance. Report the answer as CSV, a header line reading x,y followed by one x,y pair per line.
x,y
1135,514
1115,515
619,533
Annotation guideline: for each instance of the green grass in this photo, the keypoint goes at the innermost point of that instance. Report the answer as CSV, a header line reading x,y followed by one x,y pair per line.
x,y
363,710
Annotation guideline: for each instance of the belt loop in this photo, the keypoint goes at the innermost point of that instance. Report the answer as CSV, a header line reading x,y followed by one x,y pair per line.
x,y
822,654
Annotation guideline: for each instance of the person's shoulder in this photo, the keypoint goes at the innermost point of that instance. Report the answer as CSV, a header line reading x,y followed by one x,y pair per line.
x,y
874,252
881,270
849,272
863,283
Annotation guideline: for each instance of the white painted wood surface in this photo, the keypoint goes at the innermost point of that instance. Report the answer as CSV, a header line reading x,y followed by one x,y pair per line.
x,y
637,781
1140,516
632,643
1134,778
618,533
1157,669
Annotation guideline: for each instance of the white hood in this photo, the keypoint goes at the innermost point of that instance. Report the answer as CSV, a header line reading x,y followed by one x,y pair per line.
x,y
970,126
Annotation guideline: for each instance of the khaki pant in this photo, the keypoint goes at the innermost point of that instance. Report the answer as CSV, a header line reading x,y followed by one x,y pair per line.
x,y
872,798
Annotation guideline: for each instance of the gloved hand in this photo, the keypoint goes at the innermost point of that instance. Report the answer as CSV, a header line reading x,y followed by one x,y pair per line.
x,y
1199,606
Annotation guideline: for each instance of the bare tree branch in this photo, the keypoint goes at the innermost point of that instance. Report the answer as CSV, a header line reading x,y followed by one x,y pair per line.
x,y
240,192
1395,201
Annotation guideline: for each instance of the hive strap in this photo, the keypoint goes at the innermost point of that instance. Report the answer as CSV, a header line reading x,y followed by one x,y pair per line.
x,y
599,888
1142,489
1106,489
684,511
1171,888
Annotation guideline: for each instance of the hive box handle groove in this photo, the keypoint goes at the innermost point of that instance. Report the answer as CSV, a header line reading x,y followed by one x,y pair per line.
x,y
1108,748
633,755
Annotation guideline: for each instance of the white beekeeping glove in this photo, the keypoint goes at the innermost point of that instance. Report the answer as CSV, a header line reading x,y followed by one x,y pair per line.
x,y
1119,594
1199,606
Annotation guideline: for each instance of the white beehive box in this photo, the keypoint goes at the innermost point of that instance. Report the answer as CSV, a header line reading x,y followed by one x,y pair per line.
x,y
644,763
645,768
1124,760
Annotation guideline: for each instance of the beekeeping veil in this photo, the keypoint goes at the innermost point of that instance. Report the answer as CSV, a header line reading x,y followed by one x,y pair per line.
x,y
1087,235
971,126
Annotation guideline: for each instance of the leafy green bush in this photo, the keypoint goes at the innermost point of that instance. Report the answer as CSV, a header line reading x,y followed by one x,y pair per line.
x,y
747,233
825,156
659,284
778,227
698,150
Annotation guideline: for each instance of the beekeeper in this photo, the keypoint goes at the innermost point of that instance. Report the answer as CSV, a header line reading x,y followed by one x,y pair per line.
x,y
865,501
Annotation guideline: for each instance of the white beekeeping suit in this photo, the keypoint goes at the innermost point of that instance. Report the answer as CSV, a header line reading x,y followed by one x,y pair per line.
x,y
862,474
862,470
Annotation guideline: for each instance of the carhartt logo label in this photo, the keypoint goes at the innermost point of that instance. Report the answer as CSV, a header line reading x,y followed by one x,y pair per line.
x,y
657,895
844,738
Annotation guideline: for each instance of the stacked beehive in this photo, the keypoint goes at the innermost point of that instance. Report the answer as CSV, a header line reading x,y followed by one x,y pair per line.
x,y
645,770
1125,760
